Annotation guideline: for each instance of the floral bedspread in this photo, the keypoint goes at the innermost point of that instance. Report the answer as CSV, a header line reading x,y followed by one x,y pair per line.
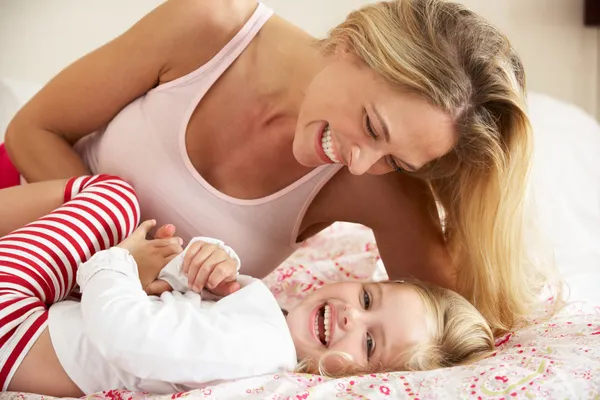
x,y
553,359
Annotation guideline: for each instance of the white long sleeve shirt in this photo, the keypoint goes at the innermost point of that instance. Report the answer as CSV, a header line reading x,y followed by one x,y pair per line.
x,y
120,338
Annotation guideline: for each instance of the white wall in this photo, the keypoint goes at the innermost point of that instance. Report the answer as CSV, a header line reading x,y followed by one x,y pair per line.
x,y
559,53
39,37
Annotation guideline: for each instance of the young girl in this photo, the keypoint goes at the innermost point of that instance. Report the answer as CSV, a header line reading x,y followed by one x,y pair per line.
x,y
118,337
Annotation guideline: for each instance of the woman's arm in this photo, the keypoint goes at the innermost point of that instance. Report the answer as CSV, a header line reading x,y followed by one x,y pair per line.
x,y
426,260
402,214
409,234
23,204
174,39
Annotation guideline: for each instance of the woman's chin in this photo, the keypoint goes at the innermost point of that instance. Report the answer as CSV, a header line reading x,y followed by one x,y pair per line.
x,y
307,159
304,152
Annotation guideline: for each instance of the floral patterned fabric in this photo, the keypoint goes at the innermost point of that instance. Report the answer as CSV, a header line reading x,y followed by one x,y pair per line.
x,y
557,358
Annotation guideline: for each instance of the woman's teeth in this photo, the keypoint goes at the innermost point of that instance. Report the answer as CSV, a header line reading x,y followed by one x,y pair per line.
x,y
327,144
323,324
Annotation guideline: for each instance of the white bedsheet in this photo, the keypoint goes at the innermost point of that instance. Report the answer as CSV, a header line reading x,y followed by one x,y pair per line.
x,y
554,359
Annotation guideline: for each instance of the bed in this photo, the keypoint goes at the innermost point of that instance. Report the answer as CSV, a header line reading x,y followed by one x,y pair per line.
x,y
558,358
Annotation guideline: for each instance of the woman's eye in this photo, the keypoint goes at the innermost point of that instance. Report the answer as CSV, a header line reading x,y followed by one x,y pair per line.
x,y
392,163
370,129
366,300
369,346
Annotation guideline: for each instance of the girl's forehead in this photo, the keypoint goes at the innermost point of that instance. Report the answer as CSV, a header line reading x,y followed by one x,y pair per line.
x,y
403,319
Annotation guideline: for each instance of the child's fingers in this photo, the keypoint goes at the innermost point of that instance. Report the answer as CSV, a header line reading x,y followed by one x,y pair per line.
x,y
205,270
190,255
223,272
157,287
167,247
167,242
170,250
165,232
226,288
192,265
144,228
197,270
196,282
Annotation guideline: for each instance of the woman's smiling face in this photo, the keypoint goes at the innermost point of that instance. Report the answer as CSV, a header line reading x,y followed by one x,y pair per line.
x,y
349,116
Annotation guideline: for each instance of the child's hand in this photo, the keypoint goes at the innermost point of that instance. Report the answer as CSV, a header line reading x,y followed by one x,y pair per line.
x,y
150,255
207,264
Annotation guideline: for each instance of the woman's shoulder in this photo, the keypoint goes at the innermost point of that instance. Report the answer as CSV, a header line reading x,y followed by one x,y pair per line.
x,y
197,30
202,14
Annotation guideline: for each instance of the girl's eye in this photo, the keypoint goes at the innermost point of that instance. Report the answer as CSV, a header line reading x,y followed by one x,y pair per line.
x,y
370,129
369,346
366,300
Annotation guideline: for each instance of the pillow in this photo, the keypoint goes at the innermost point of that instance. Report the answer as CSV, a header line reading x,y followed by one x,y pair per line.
x,y
566,189
566,171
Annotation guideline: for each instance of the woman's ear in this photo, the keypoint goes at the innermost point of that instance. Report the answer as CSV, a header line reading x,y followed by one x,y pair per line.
x,y
344,52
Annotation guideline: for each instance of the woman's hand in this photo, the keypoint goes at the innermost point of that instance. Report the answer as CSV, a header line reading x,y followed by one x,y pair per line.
x,y
151,255
208,265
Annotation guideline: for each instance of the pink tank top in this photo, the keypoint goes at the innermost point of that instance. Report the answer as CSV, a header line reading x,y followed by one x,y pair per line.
x,y
145,145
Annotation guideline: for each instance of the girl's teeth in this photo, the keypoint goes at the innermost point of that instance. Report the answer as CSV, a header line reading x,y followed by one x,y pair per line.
x,y
327,323
317,325
327,144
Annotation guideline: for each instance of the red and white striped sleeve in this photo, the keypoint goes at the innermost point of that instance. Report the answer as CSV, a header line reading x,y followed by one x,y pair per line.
x,y
98,213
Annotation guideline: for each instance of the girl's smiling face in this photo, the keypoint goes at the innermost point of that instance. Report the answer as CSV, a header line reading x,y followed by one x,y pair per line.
x,y
372,323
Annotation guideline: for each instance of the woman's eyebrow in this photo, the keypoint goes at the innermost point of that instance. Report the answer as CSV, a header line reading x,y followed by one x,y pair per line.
x,y
386,136
384,127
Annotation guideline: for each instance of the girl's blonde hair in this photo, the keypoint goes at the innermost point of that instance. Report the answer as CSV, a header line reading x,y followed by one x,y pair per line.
x,y
457,334
458,62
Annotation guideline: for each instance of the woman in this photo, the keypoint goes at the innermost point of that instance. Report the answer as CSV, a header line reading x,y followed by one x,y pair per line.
x,y
218,108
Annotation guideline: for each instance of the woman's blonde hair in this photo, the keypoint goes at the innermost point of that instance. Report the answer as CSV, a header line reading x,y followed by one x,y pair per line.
x,y
458,62
457,334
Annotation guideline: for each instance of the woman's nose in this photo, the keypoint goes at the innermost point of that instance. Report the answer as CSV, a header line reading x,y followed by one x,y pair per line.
x,y
361,160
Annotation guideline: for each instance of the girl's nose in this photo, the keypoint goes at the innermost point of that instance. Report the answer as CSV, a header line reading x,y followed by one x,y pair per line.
x,y
349,318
